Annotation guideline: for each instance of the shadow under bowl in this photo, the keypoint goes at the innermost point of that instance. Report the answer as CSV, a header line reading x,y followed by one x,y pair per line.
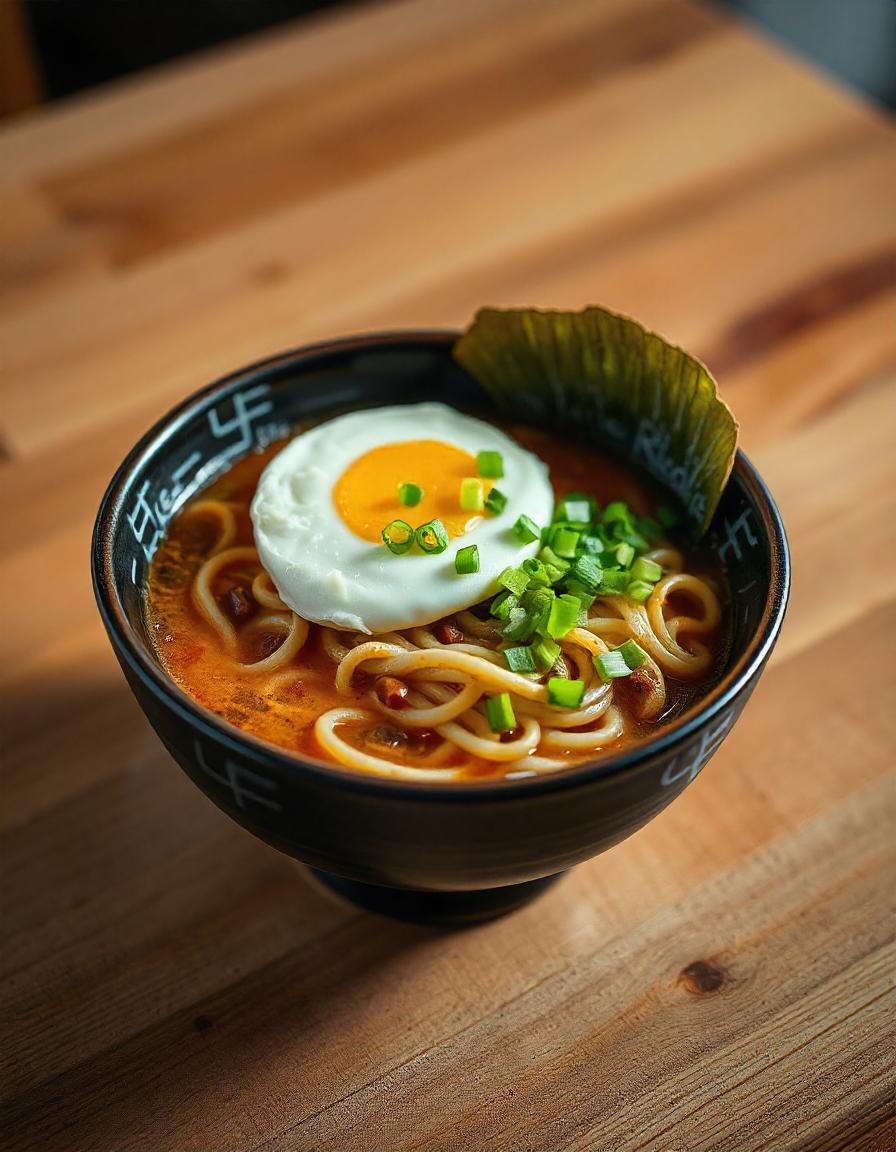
x,y
453,853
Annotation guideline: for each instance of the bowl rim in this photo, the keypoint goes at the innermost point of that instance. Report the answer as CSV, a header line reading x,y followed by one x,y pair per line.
x,y
130,647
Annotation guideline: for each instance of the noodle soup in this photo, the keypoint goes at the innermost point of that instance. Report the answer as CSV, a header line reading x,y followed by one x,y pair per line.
x,y
602,625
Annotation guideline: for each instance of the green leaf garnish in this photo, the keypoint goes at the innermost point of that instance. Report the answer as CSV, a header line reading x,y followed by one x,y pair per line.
x,y
610,377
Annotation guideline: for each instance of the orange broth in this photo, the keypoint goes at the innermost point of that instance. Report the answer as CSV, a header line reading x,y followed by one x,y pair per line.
x,y
283,713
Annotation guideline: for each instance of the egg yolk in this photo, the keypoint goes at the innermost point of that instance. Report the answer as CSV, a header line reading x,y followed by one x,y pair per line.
x,y
366,494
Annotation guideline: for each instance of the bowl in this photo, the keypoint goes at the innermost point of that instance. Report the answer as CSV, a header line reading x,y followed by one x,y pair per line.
x,y
451,853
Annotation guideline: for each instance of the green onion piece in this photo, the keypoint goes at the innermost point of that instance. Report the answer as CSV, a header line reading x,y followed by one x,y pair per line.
x,y
588,571
467,560
616,510
526,530
431,537
536,571
613,583
503,604
667,517
499,712
538,605
398,537
565,693
591,545
519,625
550,559
545,653
563,616
649,528
564,540
584,595
410,494
644,569
630,537
575,509
639,590
519,659
490,465
633,654
471,497
625,553
611,665
514,580
495,502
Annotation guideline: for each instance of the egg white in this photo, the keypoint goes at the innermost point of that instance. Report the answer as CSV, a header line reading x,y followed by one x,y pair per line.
x,y
328,575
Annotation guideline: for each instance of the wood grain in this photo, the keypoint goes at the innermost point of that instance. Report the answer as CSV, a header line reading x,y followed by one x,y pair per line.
x,y
720,981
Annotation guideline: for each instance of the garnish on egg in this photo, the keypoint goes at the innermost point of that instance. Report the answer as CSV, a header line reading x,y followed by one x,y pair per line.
x,y
361,524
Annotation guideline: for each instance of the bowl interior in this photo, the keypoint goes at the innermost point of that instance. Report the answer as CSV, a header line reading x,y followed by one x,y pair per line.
x,y
206,434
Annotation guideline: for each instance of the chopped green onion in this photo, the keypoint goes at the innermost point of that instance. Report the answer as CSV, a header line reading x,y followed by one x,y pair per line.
x,y
398,537
591,545
667,517
550,559
644,569
613,583
432,537
616,510
565,693
545,653
624,555
639,590
467,560
410,494
630,537
514,580
503,604
564,540
490,465
499,712
563,616
526,530
576,509
588,571
583,594
471,497
649,528
519,625
536,571
611,665
538,605
633,654
495,502
519,659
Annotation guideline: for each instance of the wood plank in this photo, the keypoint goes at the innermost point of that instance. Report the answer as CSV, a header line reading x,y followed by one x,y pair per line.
x,y
110,333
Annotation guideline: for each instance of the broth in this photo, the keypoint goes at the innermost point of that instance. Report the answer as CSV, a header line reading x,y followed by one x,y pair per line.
x,y
281,707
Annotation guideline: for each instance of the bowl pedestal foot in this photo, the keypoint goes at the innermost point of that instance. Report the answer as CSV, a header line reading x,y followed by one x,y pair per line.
x,y
441,909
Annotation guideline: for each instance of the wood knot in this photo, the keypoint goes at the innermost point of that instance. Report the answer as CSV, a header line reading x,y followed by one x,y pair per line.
x,y
703,977
203,1023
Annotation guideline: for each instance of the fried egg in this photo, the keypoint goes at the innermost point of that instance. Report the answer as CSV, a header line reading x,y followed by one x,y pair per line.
x,y
323,501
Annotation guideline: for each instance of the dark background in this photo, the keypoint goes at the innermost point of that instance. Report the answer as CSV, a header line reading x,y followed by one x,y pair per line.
x,y
76,44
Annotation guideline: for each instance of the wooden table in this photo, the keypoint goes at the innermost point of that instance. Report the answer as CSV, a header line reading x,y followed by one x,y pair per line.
x,y
720,980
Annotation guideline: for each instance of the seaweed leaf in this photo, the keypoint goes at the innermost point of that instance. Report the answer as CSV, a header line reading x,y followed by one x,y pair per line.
x,y
609,377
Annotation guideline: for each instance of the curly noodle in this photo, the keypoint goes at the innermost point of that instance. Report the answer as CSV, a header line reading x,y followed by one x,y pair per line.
x,y
445,683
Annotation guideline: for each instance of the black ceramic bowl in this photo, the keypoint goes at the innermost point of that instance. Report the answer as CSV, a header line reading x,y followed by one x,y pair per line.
x,y
419,851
